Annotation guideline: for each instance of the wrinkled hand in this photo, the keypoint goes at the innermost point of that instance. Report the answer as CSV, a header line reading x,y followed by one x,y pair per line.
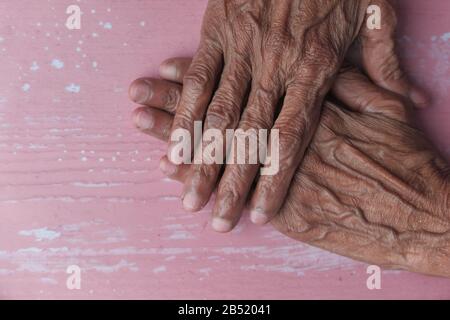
x,y
370,187
255,55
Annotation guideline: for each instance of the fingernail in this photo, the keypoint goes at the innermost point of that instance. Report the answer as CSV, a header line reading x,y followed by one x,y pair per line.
x,y
258,217
418,97
168,71
191,202
221,225
144,120
167,167
140,91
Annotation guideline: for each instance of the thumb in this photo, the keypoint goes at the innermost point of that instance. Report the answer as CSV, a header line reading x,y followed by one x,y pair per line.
x,y
379,58
359,94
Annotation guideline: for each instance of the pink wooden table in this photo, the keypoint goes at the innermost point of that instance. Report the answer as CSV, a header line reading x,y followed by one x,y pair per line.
x,y
80,186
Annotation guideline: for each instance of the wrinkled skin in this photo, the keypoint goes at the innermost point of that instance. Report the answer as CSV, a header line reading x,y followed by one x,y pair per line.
x,y
370,186
253,55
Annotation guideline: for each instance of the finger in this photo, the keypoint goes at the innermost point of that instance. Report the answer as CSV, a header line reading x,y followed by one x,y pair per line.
x,y
174,69
223,113
289,138
380,60
357,92
198,85
153,122
173,171
238,178
159,128
156,93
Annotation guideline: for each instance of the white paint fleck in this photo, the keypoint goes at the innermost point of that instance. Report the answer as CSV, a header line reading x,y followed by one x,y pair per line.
x,y
94,35
107,25
96,185
446,36
26,87
2,39
29,250
40,234
181,235
123,264
73,88
57,64
94,64
46,280
159,269
34,66
142,23
205,271
170,258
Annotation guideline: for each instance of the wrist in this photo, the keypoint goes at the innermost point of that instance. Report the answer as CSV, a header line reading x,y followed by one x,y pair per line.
x,y
441,191
432,249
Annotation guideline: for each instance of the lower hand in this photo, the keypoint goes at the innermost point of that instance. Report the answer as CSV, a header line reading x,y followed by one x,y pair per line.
x,y
371,187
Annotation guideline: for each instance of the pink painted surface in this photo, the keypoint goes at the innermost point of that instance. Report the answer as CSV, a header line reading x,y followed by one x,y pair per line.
x,y
79,185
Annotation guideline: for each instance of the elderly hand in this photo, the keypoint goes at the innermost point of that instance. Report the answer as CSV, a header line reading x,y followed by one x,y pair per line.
x,y
255,55
370,187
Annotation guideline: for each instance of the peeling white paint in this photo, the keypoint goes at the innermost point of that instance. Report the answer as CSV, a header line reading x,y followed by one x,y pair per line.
x,y
73,88
159,269
26,87
40,234
57,64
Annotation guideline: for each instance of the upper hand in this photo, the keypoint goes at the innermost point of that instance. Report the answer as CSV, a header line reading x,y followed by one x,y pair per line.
x,y
255,55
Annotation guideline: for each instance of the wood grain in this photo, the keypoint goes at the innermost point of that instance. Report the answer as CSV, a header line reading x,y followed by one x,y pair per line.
x,y
79,185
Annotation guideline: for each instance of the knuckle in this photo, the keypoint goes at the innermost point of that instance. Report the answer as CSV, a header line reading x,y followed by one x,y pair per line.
x,y
220,117
289,149
276,40
254,120
397,108
199,76
229,196
183,120
196,81
225,108
264,96
172,99
322,57
390,68
203,173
